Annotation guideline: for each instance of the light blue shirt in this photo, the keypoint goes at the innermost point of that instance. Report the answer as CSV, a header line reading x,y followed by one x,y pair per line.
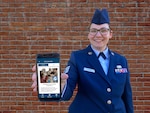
x,y
104,62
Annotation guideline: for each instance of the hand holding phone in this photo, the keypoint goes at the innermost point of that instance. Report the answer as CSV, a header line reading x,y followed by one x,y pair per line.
x,y
34,79
48,76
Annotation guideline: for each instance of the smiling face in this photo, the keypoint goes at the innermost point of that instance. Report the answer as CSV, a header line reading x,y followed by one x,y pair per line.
x,y
99,36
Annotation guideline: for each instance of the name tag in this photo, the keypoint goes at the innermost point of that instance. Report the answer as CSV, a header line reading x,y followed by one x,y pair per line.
x,y
89,70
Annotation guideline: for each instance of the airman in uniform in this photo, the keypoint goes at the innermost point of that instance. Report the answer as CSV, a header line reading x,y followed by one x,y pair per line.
x,y
102,76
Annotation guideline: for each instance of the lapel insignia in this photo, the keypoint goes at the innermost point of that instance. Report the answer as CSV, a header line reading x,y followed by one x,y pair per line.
x,y
112,53
89,53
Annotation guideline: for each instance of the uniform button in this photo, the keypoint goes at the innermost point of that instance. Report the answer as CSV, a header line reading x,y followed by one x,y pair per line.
x,y
108,101
108,90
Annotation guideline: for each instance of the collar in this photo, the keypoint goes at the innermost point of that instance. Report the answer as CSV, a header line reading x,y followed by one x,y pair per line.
x,y
106,51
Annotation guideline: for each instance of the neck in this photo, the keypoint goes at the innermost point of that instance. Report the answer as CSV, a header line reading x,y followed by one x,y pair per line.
x,y
101,49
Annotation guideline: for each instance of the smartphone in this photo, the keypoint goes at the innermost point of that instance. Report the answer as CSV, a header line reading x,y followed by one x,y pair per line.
x,y
48,76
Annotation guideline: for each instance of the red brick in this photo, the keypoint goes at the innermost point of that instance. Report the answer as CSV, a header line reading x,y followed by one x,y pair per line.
x,y
28,27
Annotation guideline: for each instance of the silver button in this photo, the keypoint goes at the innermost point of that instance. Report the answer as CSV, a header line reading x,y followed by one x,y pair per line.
x,y
108,90
108,101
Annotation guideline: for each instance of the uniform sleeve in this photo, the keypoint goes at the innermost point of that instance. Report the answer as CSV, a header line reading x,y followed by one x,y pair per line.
x,y
72,79
127,95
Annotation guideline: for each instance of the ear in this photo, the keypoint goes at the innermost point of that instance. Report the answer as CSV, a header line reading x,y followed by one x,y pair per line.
x,y
111,34
89,36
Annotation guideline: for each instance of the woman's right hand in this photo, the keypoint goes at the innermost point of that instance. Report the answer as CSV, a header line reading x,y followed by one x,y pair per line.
x,y
34,79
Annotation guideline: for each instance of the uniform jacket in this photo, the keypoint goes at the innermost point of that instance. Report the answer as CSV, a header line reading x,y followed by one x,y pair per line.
x,y
97,92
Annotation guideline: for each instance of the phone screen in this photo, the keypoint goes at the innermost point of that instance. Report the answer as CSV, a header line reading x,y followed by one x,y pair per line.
x,y
48,72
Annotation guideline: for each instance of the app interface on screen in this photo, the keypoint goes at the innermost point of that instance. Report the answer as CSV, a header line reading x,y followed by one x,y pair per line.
x,y
48,77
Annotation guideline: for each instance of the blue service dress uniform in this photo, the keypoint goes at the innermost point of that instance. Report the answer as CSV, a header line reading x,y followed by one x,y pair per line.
x,y
97,92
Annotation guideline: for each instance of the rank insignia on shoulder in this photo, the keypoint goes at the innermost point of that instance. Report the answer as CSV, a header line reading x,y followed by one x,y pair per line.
x,y
67,69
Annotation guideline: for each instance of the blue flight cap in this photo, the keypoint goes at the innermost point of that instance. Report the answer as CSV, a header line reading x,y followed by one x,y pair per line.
x,y
100,17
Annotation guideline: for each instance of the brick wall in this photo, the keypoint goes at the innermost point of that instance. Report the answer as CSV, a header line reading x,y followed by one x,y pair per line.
x,y
28,27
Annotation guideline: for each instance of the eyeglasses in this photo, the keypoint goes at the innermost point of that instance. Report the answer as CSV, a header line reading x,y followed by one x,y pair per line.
x,y
103,31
